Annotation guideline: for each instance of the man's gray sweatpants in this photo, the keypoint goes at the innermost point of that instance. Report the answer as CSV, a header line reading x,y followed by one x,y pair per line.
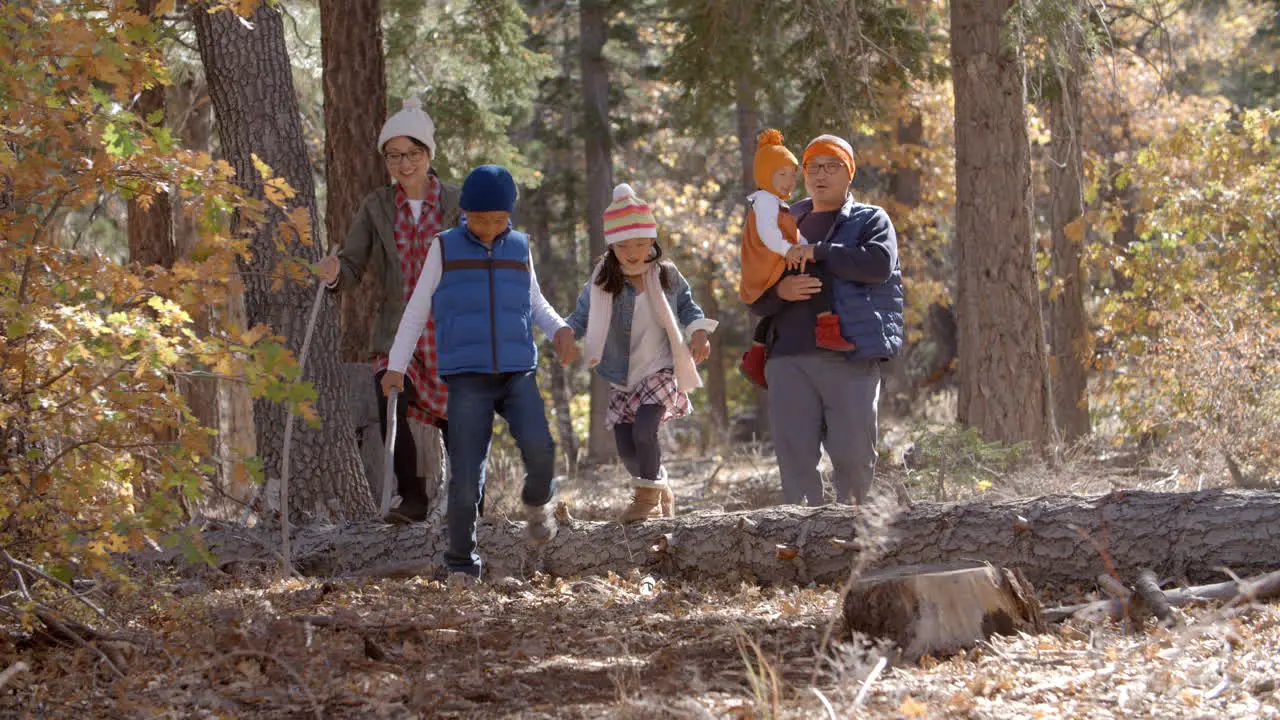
x,y
823,399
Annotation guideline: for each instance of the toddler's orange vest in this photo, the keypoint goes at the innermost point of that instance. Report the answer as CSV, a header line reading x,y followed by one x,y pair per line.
x,y
762,267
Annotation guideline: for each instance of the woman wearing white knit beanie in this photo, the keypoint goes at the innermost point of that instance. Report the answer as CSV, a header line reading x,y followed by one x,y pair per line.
x,y
391,234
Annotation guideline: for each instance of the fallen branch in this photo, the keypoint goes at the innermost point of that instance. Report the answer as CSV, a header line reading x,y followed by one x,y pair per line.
x,y
1259,589
1152,599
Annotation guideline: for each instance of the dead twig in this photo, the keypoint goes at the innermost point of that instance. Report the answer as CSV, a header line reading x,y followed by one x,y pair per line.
x,y
234,654
10,671
15,563
62,631
1258,589
871,678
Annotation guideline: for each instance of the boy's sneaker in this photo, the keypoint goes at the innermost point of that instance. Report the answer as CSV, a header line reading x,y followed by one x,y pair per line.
x,y
541,523
752,365
828,335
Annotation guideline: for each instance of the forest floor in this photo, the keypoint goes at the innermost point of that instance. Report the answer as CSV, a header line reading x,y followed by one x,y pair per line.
x,y
623,647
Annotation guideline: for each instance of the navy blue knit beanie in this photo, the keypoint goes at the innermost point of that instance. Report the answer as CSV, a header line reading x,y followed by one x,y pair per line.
x,y
488,188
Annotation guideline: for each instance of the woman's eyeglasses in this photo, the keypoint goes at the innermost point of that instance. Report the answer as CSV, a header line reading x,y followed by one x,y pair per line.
x,y
414,156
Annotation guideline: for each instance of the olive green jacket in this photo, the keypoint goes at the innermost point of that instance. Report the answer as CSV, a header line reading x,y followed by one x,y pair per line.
x,y
371,243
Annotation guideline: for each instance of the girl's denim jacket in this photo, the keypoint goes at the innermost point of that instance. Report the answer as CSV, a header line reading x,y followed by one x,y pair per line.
x,y
616,358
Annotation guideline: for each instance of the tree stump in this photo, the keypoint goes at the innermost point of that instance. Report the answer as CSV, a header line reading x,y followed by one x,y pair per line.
x,y
940,609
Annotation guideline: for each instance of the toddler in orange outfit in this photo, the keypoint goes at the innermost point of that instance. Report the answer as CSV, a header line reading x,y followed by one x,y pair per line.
x,y
771,247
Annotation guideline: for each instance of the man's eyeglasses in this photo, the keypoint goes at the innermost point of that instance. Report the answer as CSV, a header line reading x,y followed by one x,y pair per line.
x,y
414,156
823,168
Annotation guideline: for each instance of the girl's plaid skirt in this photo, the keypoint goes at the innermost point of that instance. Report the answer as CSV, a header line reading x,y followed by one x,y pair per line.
x,y
657,389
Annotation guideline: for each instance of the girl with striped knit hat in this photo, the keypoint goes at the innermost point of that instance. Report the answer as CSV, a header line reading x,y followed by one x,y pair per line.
x,y
636,311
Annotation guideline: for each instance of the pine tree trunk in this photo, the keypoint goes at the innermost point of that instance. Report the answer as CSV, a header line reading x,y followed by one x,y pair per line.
x,y
593,31
151,223
1054,540
717,390
1070,336
748,121
550,270
224,405
355,100
904,187
1003,372
251,85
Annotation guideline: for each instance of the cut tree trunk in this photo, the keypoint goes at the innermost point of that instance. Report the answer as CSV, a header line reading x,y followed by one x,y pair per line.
x,y
251,86
352,60
939,610
1053,540
593,29
1003,370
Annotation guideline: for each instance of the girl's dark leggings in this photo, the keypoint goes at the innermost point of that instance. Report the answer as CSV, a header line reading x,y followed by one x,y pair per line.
x,y
638,442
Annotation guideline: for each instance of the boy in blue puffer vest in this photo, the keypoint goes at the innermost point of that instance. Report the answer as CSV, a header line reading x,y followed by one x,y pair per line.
x,y
479,277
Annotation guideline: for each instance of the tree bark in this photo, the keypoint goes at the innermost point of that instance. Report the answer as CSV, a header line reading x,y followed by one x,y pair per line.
x,y
1070,326
251,85
151,239
224,405
717,390
748,121
1003,372
1054,541
355,102
900,384
549,280
593,29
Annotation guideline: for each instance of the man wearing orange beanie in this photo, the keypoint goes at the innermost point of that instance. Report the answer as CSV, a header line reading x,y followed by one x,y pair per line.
x,y
771,245
818,397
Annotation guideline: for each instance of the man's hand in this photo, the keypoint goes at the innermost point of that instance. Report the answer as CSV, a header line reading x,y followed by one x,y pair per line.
x,y
798,256
328,269
795,288
566,346
700,346
392,380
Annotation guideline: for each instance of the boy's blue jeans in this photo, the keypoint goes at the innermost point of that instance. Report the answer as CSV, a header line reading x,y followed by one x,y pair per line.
x,y
474,398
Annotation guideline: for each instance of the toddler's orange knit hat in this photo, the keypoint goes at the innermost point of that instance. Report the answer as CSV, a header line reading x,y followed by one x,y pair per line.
x,y
771,156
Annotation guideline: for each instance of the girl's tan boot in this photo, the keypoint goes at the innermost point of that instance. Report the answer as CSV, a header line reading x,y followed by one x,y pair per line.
x,y
644,505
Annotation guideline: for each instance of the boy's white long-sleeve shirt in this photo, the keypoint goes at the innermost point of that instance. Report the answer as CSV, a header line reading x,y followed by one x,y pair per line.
x,y
767,206
414,320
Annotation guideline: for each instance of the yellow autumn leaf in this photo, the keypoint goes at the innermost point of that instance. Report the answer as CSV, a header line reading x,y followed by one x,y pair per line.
x,y
913,708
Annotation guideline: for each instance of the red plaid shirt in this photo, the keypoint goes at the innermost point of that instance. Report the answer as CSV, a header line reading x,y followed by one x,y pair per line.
x,y
413,240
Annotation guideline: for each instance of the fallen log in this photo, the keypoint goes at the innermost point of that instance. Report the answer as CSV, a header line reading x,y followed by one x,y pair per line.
x,y
939,610
1055,541
1259,589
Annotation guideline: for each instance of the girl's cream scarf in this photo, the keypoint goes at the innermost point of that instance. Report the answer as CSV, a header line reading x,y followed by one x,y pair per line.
x,y
598,318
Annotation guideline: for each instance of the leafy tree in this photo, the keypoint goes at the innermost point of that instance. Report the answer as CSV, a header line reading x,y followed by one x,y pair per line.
x,y
98,450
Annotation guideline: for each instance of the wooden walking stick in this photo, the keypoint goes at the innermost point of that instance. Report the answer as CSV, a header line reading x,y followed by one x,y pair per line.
x,y
388,457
